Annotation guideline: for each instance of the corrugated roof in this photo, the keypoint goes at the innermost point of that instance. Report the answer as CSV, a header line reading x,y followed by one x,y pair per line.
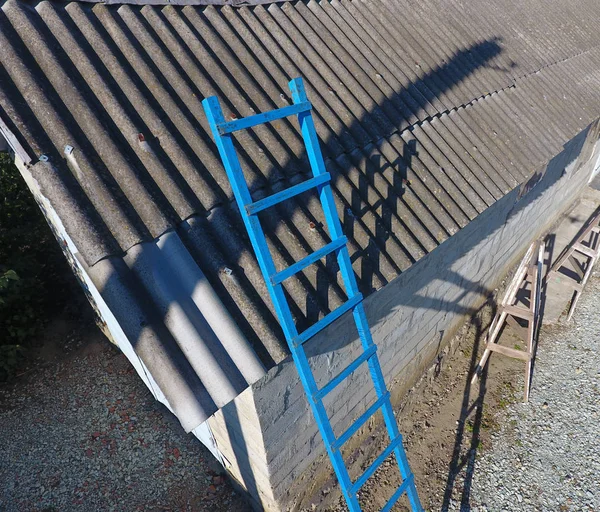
x,y
428,111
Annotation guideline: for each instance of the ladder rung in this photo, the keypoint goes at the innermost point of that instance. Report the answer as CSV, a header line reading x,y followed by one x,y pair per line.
x,y
588,251
399,492
324,322
339,442
333,383
520,312
266,117
279,277
373,467
288,193
510,352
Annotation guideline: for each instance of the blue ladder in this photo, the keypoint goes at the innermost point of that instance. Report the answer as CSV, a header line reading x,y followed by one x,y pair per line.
x,y
222,130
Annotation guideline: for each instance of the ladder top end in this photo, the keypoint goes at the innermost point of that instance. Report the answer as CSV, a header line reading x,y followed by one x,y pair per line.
x,y
295,82
211,101
296,86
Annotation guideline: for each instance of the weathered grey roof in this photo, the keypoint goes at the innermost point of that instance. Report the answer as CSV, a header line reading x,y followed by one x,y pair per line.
x,y
235,3
429,111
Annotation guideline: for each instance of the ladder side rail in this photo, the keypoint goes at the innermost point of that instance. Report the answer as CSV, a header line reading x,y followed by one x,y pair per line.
x,y
309,134
592,223
242,194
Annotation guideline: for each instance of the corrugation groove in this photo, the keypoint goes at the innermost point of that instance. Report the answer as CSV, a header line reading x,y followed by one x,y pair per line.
x,y
31,81
162,137
128,175
119,110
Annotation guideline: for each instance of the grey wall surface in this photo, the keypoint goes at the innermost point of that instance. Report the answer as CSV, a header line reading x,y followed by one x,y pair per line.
x,y
412,318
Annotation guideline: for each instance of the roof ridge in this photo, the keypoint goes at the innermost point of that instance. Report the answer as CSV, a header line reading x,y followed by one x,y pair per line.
x,y
232,3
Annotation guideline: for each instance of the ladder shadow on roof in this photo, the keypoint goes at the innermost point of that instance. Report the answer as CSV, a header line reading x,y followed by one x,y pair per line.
x,y
382,252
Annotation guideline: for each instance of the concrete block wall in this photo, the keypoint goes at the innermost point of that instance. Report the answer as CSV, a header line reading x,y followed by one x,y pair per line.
x,y
280,458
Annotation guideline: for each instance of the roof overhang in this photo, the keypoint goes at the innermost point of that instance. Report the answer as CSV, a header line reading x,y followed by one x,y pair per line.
x,y
9,142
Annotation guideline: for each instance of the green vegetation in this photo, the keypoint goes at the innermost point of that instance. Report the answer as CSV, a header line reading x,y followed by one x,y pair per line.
x,y
507,395
488,422
35,281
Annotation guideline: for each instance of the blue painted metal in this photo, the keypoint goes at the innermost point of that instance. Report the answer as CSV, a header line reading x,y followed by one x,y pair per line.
x,y
267,117
376,463
277,198
273,279
360,421
309,260
351,303
345,373
399,492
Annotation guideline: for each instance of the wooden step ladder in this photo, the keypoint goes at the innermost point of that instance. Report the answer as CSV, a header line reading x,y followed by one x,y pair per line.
x,y
582,253
509,311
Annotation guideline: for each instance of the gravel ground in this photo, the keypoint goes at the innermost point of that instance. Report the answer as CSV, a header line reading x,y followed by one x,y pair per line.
x,y
547,454
86,434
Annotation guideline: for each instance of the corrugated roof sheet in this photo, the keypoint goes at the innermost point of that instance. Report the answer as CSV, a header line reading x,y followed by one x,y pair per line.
x,y
428,111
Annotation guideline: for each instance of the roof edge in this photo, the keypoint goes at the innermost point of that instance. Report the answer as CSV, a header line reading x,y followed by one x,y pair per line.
x,y
233,3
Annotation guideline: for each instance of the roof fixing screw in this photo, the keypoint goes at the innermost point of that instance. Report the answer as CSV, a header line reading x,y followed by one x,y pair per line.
x,y
68,150
43,158
312,226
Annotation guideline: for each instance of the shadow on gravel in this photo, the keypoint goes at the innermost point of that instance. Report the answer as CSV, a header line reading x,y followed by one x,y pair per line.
x,y
468,429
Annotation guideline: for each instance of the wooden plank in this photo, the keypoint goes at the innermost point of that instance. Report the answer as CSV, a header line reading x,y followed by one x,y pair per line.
x,y
536,286
519,274
577,266
501,315
583,270
519,312
588,251
14,143
529,272
510,352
